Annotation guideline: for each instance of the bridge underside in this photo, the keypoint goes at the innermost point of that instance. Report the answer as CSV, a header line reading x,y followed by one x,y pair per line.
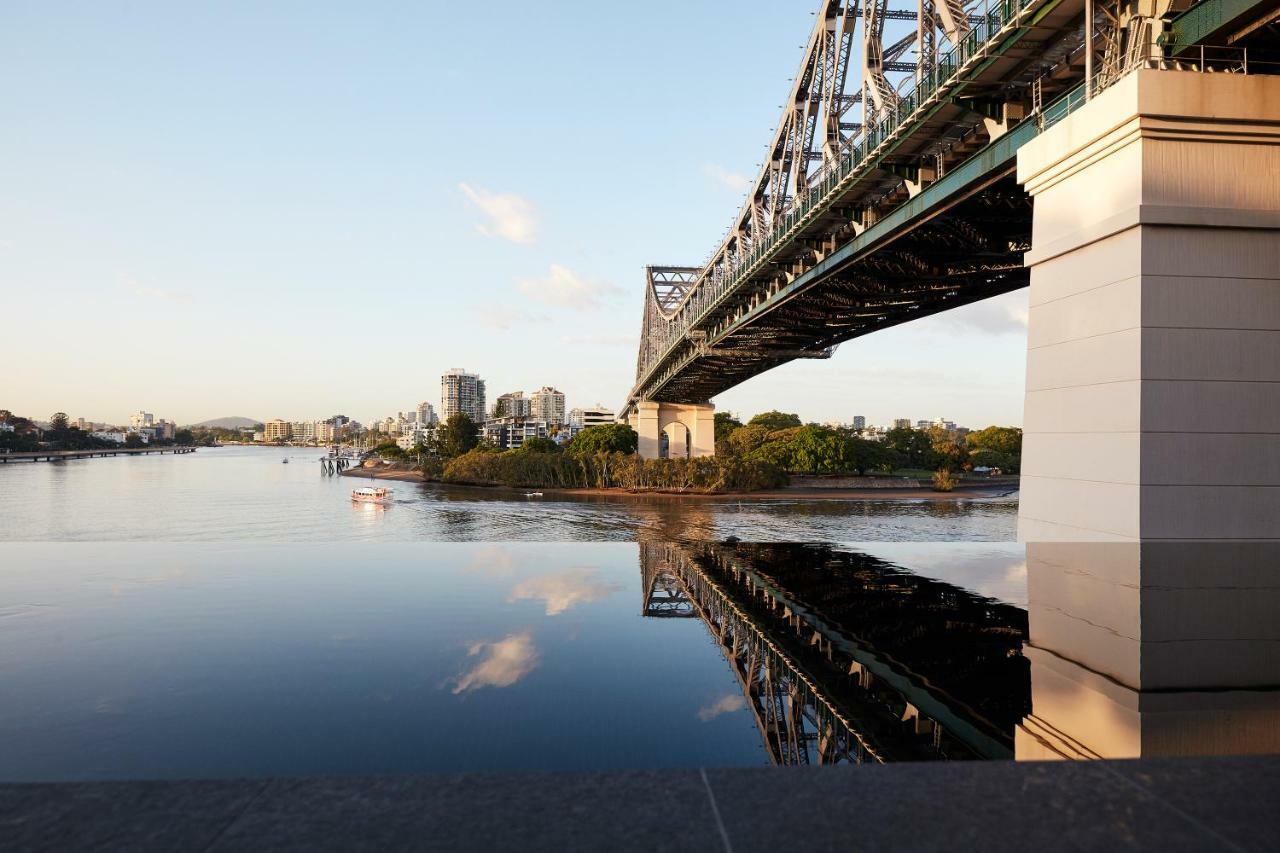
x,y
966,252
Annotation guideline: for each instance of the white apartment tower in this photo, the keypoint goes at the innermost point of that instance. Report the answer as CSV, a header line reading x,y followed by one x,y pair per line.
x,y
547,405
462,392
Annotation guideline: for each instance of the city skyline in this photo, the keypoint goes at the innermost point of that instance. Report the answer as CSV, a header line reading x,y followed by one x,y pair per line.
x,y
256,259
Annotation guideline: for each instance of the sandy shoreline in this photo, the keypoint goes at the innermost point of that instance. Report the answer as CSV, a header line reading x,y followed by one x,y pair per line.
x,y
965,491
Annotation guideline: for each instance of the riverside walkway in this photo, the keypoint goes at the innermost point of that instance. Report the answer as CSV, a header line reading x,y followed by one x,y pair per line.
x,y
60,455
1147,804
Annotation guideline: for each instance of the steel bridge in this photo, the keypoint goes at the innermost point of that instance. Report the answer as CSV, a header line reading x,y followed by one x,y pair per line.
x,y
888,191
823,692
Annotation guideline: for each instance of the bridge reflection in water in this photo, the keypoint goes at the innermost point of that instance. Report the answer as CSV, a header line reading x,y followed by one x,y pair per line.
x,y
1129,650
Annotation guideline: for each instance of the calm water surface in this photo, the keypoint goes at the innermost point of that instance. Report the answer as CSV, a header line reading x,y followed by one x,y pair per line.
x,y
267,627
245,493
153,660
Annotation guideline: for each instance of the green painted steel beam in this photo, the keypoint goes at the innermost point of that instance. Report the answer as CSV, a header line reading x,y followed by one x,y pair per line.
x,y
1205,19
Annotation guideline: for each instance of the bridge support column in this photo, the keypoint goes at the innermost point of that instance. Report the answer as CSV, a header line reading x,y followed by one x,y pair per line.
x,y
1153,352
1151,649
674,430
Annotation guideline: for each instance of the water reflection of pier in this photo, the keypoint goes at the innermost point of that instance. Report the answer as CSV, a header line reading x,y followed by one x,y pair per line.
x,y
844,658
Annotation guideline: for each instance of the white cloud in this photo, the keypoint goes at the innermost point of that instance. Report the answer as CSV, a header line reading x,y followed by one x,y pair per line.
x,y
500,318
563,590
501,664
733,180
564,289
726,704
510,217
600,340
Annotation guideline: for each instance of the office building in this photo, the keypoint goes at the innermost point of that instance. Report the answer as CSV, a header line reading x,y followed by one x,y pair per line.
x,y
859,421
902,423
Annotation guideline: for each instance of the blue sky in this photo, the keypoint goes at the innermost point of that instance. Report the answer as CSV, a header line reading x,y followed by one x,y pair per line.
x,y
294,209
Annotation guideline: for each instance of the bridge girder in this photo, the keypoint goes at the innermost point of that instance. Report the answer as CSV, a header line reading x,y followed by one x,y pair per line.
x,y
979,70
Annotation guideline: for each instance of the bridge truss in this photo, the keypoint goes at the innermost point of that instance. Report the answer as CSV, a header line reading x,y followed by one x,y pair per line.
x,y
886,103
815,697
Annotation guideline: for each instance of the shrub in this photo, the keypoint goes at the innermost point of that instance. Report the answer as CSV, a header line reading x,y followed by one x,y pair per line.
x,y
943,480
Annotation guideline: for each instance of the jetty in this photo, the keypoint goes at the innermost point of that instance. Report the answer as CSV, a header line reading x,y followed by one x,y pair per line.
x,y
60,455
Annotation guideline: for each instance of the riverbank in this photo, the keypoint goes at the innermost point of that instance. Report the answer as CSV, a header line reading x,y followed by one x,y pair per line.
x,y
964,491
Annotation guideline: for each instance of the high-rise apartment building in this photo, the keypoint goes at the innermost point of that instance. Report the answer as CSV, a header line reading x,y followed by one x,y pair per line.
x,y
426,414
138,420
462,392
859,421
276,430
547,405
513,404
902,423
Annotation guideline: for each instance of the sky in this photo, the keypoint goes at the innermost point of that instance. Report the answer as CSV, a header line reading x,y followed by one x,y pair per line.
x,y
299,209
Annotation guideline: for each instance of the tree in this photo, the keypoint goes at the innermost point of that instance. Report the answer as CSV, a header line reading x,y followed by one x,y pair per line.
x,y
538,444
58,423
726,423
133,439
983,458
775,420
184,437
862,455
748,439
915,446
458,436
604,438
1007,440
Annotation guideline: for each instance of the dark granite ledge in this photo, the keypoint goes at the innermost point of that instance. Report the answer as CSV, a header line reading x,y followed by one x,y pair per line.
x,y
1167,805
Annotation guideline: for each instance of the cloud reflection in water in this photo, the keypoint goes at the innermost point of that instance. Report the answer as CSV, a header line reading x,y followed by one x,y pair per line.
x,y
566,589
501,664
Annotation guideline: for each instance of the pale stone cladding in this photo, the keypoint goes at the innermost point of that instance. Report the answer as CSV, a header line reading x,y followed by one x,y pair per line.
x,y
1153,355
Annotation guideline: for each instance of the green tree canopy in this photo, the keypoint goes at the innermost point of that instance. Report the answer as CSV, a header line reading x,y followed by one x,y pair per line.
x,y
775,420
58,422
459,435
726,423
747,439
1006,440
607,438
538,444
133,439
915,446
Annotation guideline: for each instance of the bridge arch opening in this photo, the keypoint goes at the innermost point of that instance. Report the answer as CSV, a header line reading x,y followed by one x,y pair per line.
x,y
674,442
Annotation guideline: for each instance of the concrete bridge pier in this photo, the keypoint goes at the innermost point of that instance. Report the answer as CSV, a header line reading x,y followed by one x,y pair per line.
x,y
1153,360
1149,649
674,430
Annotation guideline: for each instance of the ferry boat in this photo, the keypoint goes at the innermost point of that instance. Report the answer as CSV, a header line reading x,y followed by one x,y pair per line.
x,y
371,495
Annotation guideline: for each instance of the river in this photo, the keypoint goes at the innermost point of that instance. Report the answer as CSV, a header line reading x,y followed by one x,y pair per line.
x,y
247,494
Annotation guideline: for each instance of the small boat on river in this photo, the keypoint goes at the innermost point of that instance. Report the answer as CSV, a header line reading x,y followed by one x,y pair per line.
x,y
371,495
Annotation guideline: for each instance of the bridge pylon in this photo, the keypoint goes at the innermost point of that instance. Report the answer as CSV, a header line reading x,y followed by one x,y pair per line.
x,y
1153,361
674,430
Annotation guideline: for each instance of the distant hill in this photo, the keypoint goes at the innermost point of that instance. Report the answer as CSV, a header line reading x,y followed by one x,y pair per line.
x,y
228,423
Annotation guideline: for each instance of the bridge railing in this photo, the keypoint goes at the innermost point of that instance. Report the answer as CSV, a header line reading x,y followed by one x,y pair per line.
x,y
723,275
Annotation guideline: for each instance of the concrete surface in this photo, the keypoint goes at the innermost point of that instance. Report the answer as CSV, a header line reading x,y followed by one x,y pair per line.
x,y
1161,804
